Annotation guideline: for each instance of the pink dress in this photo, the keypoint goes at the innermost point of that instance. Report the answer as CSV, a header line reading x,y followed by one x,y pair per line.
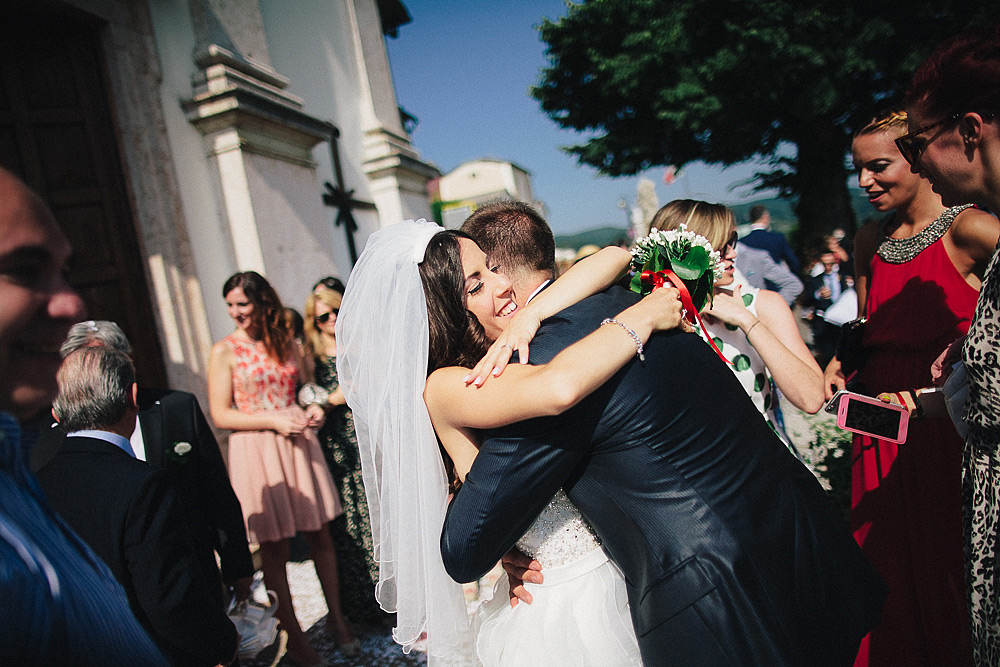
x,y
283,484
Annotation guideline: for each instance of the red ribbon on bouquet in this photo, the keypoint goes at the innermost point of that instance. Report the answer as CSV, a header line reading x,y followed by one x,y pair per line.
x,y
659,278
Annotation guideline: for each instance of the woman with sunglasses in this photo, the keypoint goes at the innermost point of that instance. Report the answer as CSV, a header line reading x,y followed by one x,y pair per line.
x,y
954,141
351,532
275,462
918,272
754,328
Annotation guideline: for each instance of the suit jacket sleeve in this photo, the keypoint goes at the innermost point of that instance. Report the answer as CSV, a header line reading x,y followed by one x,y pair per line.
x,y
222,508
784,282
789,256
168,582
512,480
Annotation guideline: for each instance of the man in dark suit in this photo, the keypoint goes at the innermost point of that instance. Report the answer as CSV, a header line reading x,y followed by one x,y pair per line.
x,y
822,291
731,551
173,434
127,511
763,238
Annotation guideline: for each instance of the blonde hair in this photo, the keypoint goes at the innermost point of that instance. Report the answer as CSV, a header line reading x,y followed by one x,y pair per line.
x,y
884,121
314,339
713,221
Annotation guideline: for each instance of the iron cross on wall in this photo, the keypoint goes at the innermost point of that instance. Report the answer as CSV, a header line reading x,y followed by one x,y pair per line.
x,y
339,197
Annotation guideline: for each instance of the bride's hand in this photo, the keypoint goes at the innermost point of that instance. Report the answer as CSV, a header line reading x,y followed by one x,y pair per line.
x,y
522,328
669,311
520,568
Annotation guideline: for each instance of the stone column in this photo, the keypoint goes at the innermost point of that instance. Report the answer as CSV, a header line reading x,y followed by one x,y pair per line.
x,y
397,175
259,142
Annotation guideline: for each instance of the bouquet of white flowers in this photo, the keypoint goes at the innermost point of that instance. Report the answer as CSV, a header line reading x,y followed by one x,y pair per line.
x,y
688,255
680,258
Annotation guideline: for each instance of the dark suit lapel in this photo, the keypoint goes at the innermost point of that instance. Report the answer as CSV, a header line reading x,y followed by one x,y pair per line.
x,y
152,425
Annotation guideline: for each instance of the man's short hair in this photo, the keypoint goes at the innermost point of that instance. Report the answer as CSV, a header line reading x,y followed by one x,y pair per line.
x,y
757,212
95,332
95,388
514,235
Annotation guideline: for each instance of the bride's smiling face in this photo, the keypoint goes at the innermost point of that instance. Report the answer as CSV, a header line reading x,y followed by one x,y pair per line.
x,y
489,294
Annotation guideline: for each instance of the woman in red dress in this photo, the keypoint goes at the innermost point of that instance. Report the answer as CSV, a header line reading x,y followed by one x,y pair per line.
x,y
918,277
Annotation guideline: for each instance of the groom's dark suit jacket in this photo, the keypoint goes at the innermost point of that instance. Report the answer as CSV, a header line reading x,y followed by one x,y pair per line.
x,y
199,477
731,551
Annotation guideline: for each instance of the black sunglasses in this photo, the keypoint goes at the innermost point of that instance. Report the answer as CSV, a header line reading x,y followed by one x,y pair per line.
x,y
730,242
325,317
330,283
910,147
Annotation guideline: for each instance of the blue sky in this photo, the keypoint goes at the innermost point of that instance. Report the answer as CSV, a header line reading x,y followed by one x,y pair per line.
x,y
464,67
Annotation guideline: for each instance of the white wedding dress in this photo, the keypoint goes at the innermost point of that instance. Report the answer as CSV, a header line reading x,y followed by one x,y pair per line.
x,y
578,617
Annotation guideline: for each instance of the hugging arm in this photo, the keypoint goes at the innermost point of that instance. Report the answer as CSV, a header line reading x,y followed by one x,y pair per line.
x,y
514,478
527,392
588,276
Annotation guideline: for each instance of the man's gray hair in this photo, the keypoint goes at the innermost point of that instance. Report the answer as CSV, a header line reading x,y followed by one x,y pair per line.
x,y
95,389
95,332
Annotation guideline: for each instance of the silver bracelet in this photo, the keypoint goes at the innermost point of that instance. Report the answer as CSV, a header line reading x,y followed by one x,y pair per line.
x,y
633,335
747,334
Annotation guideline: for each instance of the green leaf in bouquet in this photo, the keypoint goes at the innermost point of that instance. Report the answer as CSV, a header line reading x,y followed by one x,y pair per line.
x,y
702,290
694,264
636,283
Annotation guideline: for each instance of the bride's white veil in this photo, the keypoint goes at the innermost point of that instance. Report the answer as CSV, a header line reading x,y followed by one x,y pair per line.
x,y
382,349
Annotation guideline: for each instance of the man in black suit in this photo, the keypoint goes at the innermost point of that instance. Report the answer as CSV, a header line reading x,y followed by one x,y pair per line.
x,y
127,511
173,434
762,237
731,552
822,291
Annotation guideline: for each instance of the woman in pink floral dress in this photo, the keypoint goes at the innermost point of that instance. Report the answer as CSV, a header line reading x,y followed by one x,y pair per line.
x,y
275,461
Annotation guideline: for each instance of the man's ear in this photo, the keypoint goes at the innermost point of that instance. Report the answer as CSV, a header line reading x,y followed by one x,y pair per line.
x,y
54,415
135,396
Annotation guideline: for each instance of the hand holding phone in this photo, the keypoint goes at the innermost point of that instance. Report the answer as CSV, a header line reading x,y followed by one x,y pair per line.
x,y
872,417
834,403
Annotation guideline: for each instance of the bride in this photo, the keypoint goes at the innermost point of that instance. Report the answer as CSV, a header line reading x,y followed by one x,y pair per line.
x,y
420,309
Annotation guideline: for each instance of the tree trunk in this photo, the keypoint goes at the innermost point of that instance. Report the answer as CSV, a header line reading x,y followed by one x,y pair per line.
x,y
824,201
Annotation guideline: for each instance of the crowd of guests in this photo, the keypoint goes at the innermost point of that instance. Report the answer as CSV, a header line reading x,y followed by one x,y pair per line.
x,y
128,540
125,537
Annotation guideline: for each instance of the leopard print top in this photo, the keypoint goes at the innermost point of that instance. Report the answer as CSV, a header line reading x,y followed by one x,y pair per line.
x,y
980,354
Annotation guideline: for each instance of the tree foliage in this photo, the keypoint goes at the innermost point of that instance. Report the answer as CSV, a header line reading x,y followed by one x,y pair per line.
x,y
658,82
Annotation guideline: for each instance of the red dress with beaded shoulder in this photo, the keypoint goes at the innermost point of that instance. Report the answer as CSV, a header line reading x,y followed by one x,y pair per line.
x,y
906,499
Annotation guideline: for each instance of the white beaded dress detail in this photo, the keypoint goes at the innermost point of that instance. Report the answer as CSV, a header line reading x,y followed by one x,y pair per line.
x,y
559,535
579,616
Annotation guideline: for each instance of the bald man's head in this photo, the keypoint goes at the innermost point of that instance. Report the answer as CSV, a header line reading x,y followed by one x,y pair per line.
x,y
37,305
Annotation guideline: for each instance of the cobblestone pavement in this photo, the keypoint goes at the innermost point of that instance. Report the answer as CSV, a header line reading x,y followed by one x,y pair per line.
x,y
822,445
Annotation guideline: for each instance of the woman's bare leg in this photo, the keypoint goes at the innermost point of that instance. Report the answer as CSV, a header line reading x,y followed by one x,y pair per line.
x,y
325,560
274,558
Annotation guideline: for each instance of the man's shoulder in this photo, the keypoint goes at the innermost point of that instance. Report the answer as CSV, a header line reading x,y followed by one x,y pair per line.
x,y
612,297
573,323
148,397
82,451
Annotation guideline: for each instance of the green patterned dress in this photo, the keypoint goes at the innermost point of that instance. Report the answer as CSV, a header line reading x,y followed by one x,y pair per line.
x,y
748,366
351,532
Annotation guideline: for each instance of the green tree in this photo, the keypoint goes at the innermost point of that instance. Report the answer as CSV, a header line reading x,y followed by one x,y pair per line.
x,y
658,82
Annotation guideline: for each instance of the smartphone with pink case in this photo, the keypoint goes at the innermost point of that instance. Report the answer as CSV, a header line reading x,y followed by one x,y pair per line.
x,y
870,416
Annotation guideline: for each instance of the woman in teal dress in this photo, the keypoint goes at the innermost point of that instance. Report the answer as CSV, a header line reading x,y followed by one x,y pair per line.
x,y
351,532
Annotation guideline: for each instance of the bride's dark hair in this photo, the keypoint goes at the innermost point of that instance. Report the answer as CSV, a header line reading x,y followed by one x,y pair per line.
x,y
456,336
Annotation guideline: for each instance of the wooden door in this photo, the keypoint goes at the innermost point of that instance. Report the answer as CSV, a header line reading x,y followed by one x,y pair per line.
x,y
57,134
